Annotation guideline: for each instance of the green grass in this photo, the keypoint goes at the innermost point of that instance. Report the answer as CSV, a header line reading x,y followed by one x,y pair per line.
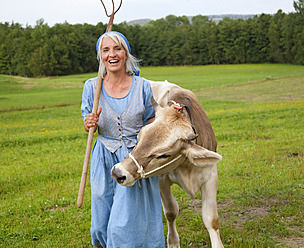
x,y
200,77
258,125
18,93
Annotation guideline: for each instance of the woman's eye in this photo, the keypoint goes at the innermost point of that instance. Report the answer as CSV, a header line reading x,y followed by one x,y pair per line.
x,y
163,156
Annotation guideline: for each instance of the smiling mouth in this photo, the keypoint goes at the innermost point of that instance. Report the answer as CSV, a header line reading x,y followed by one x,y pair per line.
x,y
113,62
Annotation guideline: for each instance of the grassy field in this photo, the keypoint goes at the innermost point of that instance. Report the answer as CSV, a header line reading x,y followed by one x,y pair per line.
x,y
257,113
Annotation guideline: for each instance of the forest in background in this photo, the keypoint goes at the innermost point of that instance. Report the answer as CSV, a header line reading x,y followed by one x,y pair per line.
x,y
68,49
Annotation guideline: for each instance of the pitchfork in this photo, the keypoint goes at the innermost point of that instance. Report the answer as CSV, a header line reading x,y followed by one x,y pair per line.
x,y
94,110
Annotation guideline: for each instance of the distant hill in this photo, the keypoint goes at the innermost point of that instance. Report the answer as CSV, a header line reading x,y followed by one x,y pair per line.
x,y
140,22
216,18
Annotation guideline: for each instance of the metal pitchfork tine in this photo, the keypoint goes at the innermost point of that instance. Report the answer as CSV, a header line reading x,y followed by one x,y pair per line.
x,y
94,110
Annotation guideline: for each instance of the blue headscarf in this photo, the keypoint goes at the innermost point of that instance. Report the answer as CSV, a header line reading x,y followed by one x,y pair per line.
x,y
136,71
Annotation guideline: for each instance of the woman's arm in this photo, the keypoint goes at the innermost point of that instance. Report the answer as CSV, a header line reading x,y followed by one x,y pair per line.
x,y
91,120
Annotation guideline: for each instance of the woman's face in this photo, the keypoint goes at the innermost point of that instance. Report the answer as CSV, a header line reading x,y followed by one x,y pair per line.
x,y
113,56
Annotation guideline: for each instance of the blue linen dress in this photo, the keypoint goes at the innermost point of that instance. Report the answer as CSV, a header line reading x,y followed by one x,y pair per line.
x,y
122,217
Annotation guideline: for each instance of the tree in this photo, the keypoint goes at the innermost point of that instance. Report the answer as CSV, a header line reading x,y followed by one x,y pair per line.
x,y
230,36
262,53
276,38
298,34
299,7
4,58
66,49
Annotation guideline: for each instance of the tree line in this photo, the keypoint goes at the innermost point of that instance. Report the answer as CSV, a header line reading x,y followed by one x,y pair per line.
x,y
68,49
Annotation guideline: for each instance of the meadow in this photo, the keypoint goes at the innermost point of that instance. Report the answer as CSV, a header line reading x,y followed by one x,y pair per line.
x,y
257,113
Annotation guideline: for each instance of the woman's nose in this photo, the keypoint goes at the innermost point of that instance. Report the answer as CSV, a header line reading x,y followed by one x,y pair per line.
x,y
112,52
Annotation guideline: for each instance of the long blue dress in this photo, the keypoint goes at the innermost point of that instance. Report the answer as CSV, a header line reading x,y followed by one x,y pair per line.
x,y
122,217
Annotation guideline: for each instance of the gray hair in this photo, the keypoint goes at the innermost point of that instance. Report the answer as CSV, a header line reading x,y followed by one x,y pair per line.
x,y
132,63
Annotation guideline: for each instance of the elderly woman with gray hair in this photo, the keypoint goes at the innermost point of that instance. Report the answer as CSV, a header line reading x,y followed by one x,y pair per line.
x,y
125,217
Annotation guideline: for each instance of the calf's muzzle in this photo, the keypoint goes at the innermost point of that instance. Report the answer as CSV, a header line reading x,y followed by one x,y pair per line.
x,y
118,175
122,176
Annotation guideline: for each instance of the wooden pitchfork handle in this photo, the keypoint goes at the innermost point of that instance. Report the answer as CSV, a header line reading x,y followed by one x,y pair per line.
x,y
94,110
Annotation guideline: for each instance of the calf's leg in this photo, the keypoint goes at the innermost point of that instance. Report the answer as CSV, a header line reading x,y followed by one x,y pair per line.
x,y
171,210
209,208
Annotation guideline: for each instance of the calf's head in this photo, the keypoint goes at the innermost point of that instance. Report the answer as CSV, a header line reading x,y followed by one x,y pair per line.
x,y
162,146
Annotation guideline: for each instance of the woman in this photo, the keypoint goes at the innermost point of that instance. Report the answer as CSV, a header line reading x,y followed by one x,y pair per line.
x,y
126,217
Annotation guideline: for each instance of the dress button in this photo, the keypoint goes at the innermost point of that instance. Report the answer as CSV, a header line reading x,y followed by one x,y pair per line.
x,y
118,118
119,129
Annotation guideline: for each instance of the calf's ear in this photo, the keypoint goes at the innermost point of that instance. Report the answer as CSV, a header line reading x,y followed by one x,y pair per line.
x,y
200,156
154,104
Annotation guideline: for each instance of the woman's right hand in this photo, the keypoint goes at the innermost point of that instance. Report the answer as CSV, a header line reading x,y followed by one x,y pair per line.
x,y
91,120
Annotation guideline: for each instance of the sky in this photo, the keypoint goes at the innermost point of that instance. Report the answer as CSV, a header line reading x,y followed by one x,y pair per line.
x,y
27,12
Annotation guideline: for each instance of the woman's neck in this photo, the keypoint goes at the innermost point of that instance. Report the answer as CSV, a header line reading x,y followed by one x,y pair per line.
x,y
117,86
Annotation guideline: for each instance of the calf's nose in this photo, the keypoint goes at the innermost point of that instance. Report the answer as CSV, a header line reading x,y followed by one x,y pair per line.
x,y
118,175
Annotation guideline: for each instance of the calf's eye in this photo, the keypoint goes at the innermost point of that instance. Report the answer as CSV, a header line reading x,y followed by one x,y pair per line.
x,y
163,156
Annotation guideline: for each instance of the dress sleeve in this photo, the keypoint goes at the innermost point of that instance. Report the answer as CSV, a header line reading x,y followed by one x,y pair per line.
x,y
87,99
147,94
